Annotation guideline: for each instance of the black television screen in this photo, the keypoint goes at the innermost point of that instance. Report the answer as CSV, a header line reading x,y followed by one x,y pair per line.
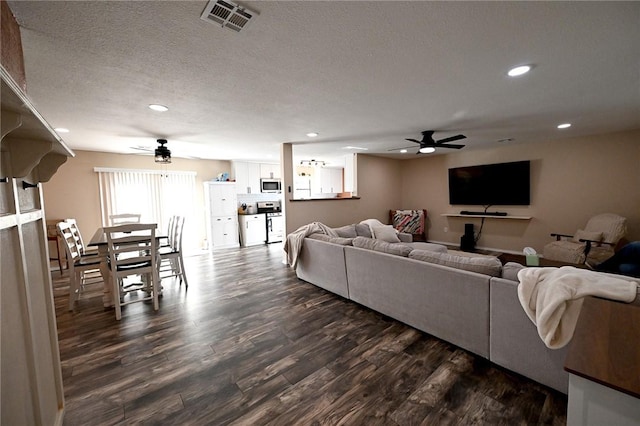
x,y
503,184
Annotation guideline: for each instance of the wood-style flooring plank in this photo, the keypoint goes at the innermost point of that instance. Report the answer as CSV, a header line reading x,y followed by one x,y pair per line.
x,y
248,343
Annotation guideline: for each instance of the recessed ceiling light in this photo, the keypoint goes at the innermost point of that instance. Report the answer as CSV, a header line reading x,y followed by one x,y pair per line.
x,y
312,134
518,71
564,125
427,150
403,151
356,147
61,130
158,107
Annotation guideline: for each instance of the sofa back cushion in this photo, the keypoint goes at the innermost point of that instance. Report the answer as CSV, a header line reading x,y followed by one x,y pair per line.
x,y
487,265
347,231
335,240
382,246
363,230
510,271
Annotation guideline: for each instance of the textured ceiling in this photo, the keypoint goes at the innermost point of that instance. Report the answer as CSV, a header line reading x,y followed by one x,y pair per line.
x,y
367,74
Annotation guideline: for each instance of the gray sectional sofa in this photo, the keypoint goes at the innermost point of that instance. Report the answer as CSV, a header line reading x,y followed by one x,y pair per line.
x,y
478,312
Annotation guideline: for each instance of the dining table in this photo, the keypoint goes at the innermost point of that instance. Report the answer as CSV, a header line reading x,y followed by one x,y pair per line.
x,y
99,241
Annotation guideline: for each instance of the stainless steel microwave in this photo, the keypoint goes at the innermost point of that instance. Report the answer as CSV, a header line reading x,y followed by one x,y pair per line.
x,y
270,185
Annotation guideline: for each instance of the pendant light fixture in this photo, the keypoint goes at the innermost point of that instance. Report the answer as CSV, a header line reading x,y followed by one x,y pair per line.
x,y
162,153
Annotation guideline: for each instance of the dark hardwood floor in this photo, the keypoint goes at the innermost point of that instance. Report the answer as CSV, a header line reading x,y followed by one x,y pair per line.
x,y
250,344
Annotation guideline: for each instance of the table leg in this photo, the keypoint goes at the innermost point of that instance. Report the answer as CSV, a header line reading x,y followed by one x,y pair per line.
x,y
107,297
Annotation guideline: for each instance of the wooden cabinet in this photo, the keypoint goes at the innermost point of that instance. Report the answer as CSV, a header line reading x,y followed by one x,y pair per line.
x,y
221,204
31,379
253,229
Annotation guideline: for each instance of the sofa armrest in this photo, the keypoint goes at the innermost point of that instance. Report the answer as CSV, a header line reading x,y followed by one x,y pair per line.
x,y
405,238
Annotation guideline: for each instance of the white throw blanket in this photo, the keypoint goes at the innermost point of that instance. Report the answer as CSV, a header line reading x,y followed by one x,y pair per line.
x,y
372,223
552,297
293,243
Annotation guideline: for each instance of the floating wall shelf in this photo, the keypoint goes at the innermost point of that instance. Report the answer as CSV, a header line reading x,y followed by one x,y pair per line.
x,y
490,216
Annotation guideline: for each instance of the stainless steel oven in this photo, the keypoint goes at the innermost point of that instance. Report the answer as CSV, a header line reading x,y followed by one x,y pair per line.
x,y
275,220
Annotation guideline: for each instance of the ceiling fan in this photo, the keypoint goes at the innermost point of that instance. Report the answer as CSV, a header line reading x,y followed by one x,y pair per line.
x,y
161,153
428,144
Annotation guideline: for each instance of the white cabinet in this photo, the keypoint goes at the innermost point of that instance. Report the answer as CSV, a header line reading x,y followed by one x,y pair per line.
x,y
327,180
247,177
270,171
221,203
224,232
253,229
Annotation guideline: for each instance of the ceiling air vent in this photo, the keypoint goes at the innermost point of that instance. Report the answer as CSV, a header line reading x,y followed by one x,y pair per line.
x,y
227,14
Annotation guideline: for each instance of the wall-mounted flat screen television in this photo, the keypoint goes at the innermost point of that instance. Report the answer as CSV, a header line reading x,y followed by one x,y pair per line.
x,y
502,184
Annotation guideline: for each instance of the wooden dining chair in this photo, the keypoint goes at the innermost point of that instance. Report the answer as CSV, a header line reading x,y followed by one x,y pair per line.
x,y
83,270
133,251
84,250
124,218
172,261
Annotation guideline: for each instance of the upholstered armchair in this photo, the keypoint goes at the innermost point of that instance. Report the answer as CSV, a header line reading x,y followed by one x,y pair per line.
x,y
595,243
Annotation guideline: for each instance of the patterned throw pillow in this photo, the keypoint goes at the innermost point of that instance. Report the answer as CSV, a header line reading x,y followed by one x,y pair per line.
x,y
409,221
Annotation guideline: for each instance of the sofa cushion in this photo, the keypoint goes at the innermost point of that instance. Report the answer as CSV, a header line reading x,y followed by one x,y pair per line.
x,y
385,233
382,246
347,231
487,265
510,271
426,246
335,240
363,230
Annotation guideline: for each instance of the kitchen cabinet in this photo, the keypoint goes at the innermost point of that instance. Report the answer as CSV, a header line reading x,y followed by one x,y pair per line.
x,y
247,176
270,171
221,203
327,180
253,229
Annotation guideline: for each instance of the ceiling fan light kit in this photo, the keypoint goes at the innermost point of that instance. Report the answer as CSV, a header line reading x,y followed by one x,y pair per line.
x,y
429,145
162,153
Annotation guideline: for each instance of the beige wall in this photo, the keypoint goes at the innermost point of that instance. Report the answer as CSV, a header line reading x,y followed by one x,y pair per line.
x,y
73,190
571,180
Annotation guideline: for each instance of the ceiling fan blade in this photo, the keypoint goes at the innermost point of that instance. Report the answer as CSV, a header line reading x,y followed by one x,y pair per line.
x,y
454,146
413,140
406,147
451,139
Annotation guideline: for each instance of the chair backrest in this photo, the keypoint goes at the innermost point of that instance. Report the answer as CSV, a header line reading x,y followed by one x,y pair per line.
x,y
171,231
73,225
132,246
612,226
124,218
69,240
178,226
